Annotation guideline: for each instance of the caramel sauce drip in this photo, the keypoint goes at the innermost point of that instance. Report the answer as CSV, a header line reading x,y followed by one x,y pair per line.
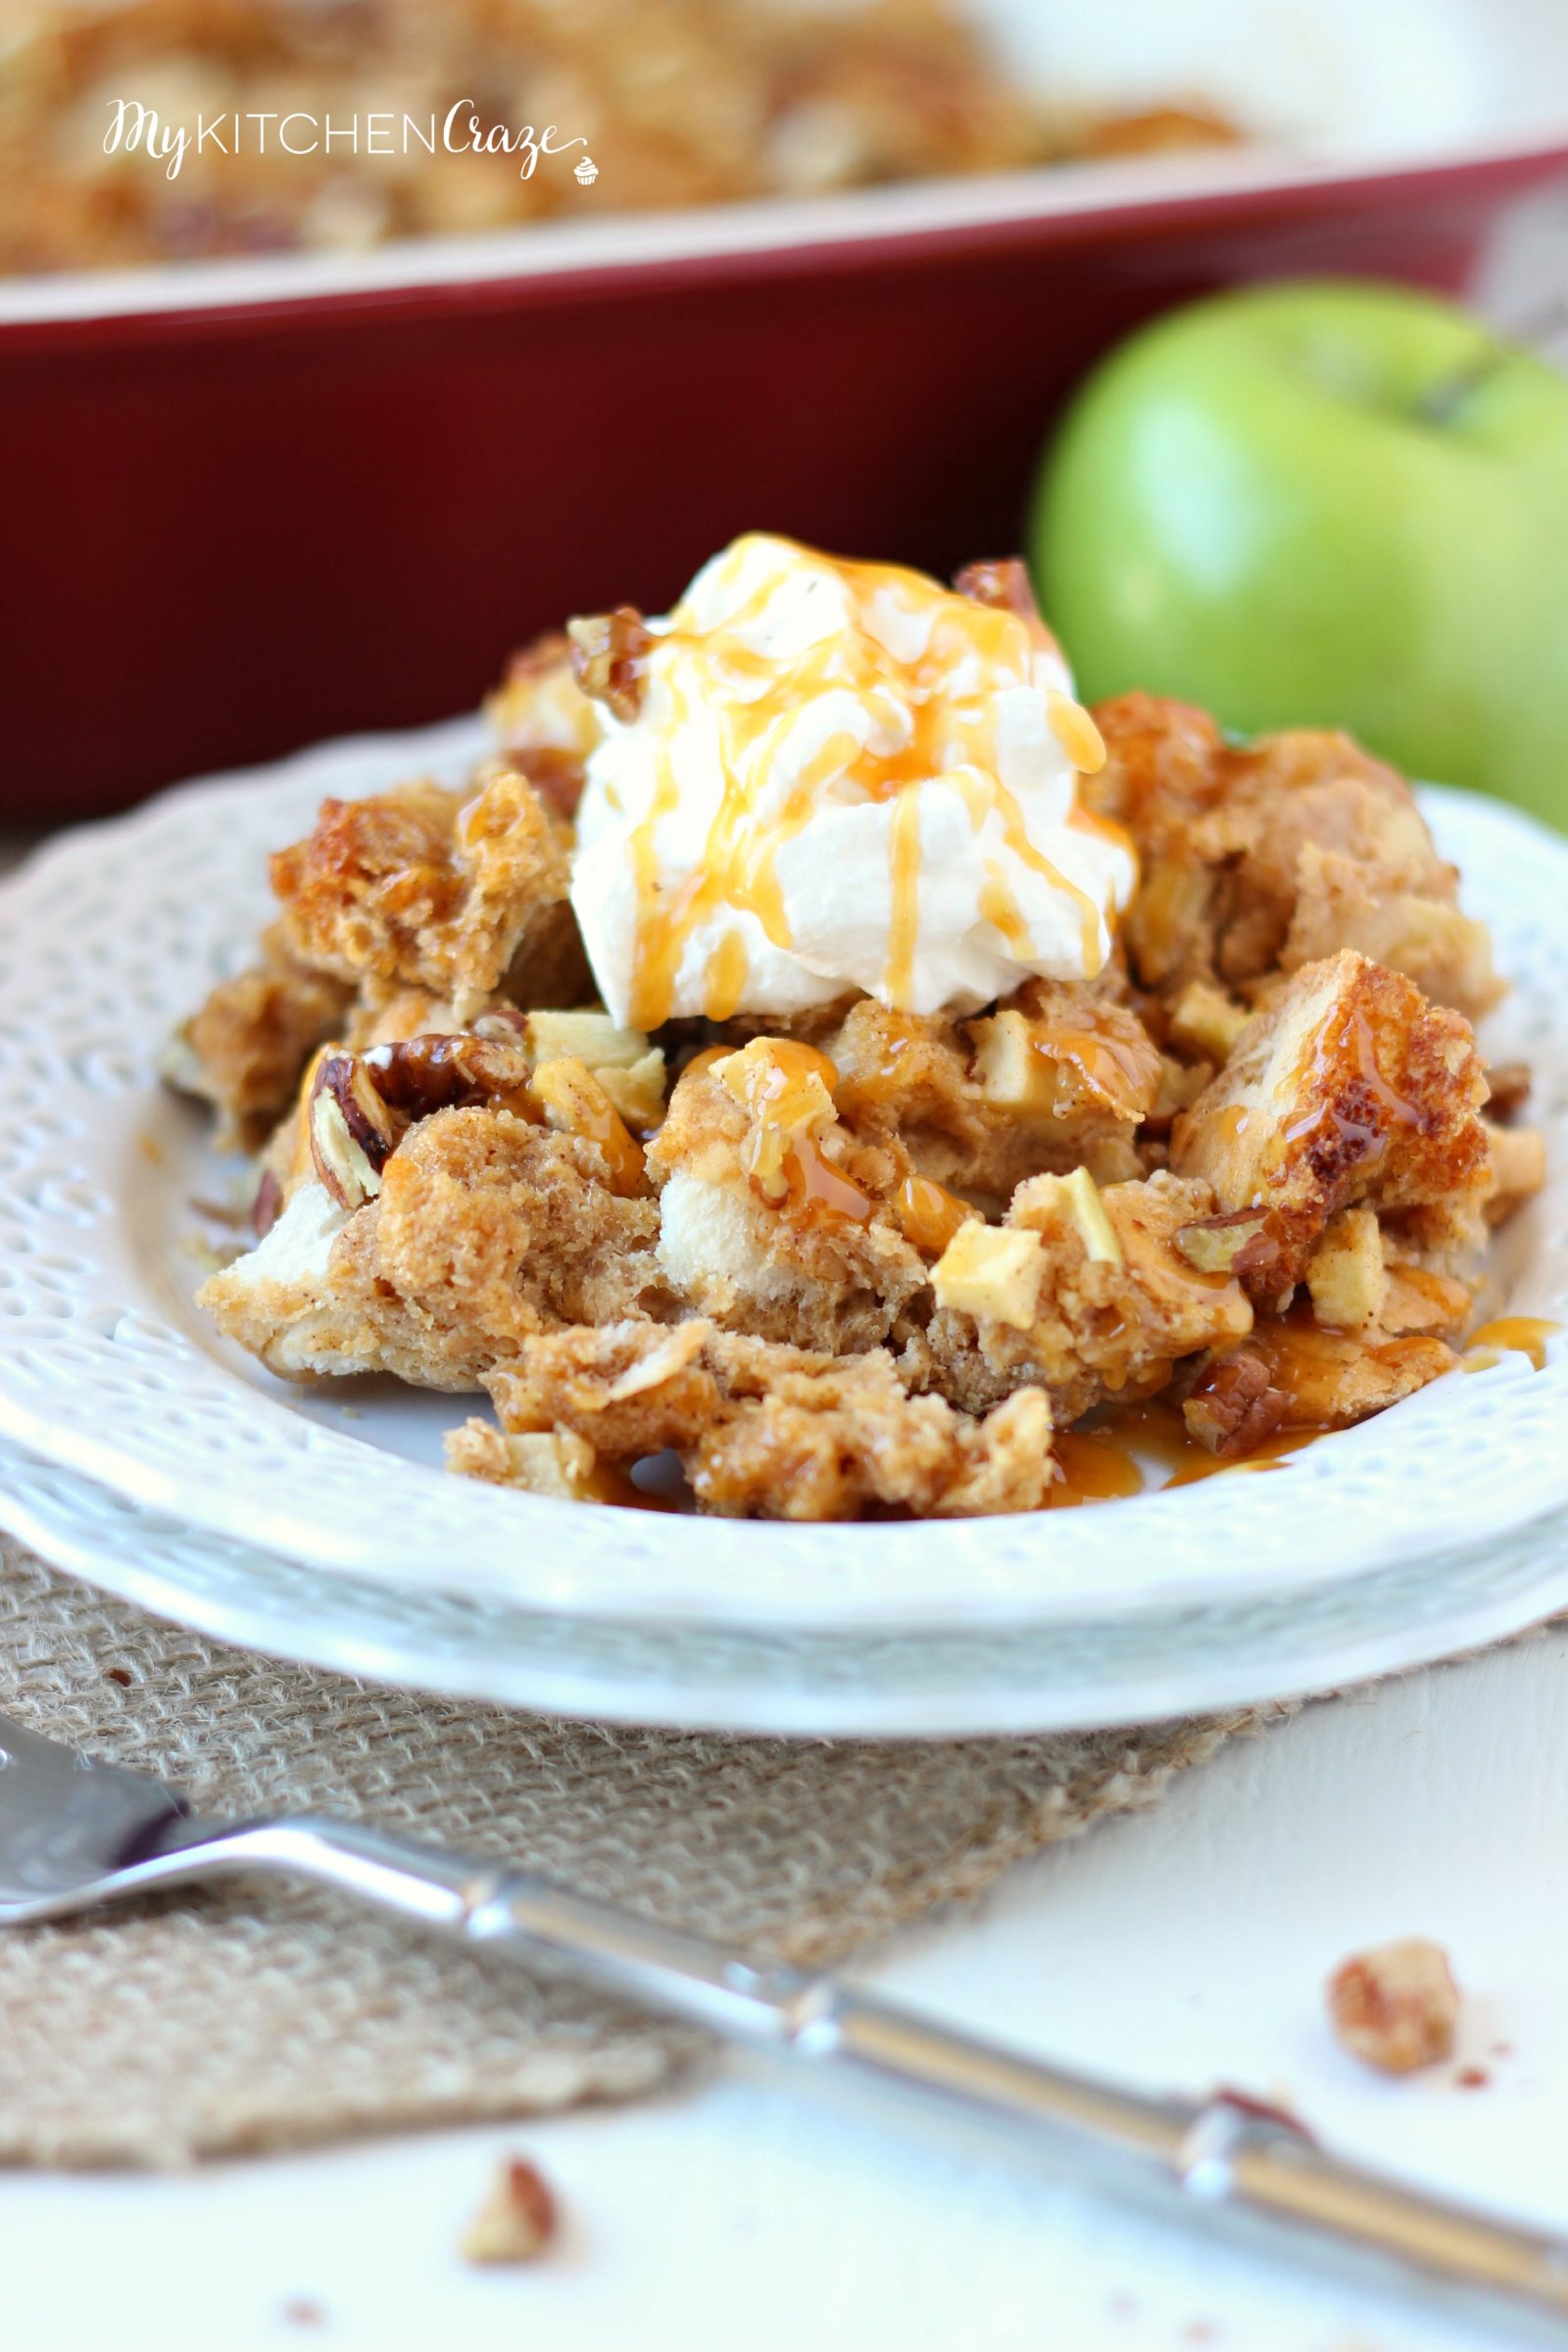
x,y
1091,1467
816,1184
1522,1334
929,1214
784,1161
724,981
622,1152
1104,1462
1204,1465
754,701
1308,1362
1076,733
775,1081
1000,909
573,1100
1360,1139
904,925
1122,1071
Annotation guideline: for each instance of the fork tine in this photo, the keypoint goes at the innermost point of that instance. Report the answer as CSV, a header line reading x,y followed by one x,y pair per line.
x,y
66,1819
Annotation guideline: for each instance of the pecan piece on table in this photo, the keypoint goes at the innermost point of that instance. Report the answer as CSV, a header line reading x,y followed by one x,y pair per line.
x,y
1395,2006
516,2220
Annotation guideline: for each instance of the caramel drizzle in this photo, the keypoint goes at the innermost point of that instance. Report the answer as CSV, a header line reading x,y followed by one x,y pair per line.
x,y
1509,1334
1105,1463
1361,1135
756,699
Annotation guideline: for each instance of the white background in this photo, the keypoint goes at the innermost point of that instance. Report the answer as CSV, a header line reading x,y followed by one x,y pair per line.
x,y
1181,1947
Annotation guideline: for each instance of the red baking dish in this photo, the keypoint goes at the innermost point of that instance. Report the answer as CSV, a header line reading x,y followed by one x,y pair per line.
x,y
255,504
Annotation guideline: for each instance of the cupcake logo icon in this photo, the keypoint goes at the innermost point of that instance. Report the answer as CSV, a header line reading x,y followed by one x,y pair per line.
x,y
586,173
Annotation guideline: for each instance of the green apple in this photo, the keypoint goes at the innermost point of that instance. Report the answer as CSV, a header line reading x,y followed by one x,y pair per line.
x,y
1325,503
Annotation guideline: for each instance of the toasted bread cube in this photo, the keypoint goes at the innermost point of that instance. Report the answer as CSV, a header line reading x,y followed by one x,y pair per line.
x,y
1352,1090
244,1049
1343,902
1417,1304
1347,1275
770,1431
1334,1378
992,1273
1258,859
450,890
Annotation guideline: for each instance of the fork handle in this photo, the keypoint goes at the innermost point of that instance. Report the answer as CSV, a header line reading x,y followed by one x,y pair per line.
x,y
1226,2153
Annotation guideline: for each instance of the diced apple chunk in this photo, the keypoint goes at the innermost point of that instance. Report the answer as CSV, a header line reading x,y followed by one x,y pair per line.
x,y
991,1272
1078,1197
1347,1275
552,1461
630,1070
1516,1167
1205,1020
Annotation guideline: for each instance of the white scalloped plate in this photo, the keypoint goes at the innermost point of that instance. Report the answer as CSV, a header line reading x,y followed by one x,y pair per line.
x,y
848,1682
106,1368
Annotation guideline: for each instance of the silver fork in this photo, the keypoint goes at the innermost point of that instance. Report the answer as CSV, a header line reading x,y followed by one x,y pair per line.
x,y
76,1835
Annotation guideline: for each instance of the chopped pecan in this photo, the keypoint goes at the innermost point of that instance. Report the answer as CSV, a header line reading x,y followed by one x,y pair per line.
x,y
425,1074
1510,1083
506,1024
1516,1168
1395,2006
1244,1242
1003,582
353,1129
267,1205
1234,1409
516,2220
610,657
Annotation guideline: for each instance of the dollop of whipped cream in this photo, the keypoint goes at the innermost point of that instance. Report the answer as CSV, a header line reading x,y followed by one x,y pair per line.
x,y
839,777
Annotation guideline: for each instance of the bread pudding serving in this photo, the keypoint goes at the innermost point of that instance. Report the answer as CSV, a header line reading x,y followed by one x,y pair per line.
x,y
815,1048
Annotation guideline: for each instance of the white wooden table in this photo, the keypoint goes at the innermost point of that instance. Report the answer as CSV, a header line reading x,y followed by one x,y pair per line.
x,y
1184,1946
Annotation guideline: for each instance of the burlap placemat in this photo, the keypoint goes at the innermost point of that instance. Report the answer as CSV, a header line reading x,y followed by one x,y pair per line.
x,y
264,2018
